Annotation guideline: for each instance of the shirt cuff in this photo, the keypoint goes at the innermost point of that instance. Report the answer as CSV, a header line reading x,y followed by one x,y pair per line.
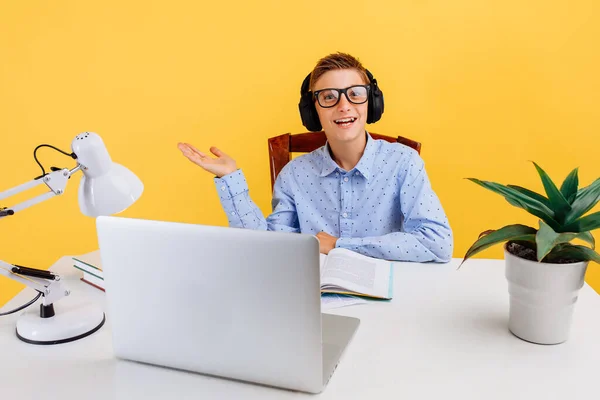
x,y
349,243
231,185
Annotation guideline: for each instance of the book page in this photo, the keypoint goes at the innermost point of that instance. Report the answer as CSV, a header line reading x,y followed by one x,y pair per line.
x,y
330,301
347,271
322,259
350,271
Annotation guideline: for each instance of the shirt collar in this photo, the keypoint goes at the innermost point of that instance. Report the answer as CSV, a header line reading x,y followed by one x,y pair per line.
x,y
364,164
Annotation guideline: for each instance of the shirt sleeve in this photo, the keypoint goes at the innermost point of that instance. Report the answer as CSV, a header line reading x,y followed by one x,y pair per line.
x,y
242,212
426,234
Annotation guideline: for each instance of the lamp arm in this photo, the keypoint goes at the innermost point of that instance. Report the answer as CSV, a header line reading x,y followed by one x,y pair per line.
x,y
56,181
52,289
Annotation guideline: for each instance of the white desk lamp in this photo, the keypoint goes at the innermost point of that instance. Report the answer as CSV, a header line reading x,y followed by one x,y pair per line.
x,y
106,188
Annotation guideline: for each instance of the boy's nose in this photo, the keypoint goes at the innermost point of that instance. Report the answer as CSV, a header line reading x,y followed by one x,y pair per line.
x,y
343,104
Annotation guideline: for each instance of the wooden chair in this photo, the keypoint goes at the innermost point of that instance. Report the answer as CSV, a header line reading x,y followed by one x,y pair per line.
x,y
281,147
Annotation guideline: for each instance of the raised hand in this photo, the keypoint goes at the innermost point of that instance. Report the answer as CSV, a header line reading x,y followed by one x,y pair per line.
x,y
220,166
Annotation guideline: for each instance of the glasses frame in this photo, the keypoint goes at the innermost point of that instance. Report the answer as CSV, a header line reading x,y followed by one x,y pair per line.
x,y
340,92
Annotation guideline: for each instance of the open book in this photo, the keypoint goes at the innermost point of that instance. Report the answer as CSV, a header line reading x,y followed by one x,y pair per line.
x,y
347,272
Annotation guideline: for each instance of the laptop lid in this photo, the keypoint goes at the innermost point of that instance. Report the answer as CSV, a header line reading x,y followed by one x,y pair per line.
x,y
229,302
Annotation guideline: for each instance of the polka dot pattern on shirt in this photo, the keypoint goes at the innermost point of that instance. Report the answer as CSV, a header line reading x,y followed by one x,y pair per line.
x,y
384,207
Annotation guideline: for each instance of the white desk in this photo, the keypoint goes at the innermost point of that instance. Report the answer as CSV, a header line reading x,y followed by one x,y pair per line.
x,y
443,336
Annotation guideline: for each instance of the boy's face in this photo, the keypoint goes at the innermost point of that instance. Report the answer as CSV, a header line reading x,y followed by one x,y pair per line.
x,y
345,121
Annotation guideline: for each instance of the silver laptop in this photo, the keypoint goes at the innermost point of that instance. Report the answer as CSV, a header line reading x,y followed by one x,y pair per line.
x,y
234,303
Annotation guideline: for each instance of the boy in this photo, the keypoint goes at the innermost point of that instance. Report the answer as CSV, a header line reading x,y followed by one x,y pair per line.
x,y
366,195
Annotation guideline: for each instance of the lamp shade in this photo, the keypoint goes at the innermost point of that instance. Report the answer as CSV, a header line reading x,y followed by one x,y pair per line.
x,y
106,187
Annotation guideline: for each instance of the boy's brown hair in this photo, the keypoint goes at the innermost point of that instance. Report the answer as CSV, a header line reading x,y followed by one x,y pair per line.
x,y
337,61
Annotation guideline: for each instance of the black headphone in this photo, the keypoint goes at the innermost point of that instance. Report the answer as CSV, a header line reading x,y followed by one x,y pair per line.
x,y
308,112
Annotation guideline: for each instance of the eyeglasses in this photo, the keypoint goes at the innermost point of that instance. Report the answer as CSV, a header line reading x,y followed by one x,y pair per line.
x,y
328,98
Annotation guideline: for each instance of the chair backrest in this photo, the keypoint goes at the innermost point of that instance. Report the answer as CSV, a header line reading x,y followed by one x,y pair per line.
x,y
281,147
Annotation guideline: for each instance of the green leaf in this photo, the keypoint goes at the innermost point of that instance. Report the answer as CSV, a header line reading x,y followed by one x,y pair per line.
x,y
587,223
567,251
588,237
509,232
546,239
585,200
534,195
550,221
560,205
569,186
518,199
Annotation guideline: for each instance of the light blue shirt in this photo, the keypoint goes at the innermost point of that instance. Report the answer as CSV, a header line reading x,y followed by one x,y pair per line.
x,y
384,207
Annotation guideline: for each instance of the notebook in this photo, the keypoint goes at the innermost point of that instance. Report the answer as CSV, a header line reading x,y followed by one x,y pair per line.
x,y
91,266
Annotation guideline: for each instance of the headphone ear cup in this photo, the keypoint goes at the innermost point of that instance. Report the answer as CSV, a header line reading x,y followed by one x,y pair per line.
x,y
306,106
308,113
376,105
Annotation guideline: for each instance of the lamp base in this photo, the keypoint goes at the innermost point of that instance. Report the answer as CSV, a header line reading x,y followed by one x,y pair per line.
x,y
66,326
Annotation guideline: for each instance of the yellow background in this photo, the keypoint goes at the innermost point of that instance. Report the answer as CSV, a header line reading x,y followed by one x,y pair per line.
x,y
485,86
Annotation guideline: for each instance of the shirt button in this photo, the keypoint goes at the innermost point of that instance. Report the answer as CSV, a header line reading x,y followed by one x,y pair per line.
x,y
345,215
346,179
223,188
233,213
357,173
336,174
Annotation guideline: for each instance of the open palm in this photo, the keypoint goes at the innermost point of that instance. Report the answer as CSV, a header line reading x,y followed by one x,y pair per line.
x,y
220,166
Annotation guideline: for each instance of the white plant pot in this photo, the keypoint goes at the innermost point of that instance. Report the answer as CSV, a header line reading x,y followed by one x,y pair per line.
x,y
542,298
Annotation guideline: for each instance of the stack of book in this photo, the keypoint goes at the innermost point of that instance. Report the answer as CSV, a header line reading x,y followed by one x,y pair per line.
x,y
92,268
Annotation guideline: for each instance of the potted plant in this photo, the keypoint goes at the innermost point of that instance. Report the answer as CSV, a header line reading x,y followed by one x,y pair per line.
x,y
544,269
